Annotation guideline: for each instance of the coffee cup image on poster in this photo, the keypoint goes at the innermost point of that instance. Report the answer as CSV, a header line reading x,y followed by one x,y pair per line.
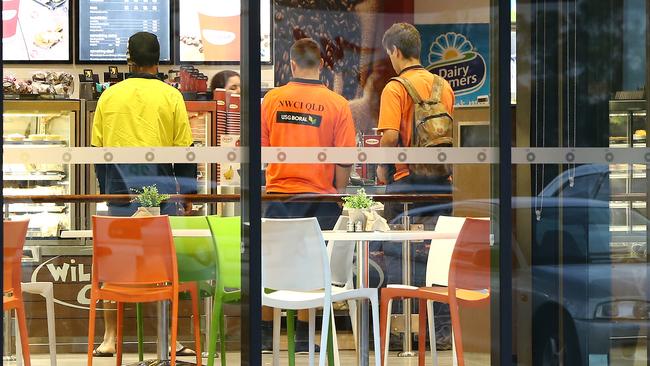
x,y
105,27
35,30
459,53
209,31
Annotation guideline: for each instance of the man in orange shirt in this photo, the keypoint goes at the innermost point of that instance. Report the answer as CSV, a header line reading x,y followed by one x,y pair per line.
x,y
402,43
304,113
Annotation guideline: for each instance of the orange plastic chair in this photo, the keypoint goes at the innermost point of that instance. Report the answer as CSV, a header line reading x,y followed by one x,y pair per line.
x,y
469,285
134,261
12,296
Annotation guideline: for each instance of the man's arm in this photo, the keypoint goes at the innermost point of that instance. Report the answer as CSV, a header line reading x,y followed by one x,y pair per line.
x,y
390,118
97,140
345,136
265,110
342,177
389,138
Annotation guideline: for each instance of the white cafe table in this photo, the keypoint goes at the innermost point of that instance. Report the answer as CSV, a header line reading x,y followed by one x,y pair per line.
x,y
362,239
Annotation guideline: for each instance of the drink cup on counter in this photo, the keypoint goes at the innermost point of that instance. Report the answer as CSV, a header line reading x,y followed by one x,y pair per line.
x,y
202,84
194,83
186,77
220,34
10,9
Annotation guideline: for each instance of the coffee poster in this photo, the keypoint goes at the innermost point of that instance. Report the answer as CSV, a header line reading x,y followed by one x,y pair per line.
x,y
349,32
210,31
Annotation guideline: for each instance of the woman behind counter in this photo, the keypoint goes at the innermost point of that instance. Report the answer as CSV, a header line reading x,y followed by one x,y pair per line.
x,y
226,79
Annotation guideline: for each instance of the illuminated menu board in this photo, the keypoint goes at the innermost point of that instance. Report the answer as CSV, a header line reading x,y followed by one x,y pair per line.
x,y
210,31
106,25
36,30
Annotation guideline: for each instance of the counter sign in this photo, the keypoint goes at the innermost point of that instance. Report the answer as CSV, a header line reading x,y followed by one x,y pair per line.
x,y
457,52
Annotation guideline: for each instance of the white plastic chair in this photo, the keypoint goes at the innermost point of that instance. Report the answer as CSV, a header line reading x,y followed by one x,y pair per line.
x,y
437,274
45,289
295,264
341,257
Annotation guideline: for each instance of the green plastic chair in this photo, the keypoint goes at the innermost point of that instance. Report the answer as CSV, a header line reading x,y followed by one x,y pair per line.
x,y
197,262
226,232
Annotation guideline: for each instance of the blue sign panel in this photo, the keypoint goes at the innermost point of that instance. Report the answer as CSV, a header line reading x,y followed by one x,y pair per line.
x,y
459,53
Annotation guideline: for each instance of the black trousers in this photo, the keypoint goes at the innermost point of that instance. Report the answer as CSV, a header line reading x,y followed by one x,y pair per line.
x,y
326,212
423,212
419,213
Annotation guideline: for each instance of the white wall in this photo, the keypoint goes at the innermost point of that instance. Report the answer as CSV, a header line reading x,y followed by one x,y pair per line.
x,y
452,11
26,71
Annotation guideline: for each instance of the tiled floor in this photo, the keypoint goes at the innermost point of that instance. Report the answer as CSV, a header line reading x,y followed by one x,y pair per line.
x,y
347,358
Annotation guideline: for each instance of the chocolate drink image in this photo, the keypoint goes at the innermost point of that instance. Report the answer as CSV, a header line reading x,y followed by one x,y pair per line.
x,y
349,32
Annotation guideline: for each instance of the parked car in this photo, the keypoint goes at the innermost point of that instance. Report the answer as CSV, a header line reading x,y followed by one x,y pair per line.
x,y
576,270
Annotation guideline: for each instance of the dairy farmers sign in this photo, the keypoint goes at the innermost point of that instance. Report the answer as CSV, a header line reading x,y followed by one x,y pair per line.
x,y
458,53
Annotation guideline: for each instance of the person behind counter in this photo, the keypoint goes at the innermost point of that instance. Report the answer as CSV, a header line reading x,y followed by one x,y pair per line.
x,y
226,79
329,123
141,111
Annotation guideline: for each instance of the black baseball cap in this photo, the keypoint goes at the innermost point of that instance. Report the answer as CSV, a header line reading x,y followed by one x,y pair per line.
x,y
143,49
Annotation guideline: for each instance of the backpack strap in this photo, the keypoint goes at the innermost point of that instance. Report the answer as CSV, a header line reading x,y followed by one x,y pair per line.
x,y
436,90
409,88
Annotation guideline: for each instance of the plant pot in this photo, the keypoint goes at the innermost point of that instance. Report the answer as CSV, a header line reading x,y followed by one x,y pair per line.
x,y
148,211
356,215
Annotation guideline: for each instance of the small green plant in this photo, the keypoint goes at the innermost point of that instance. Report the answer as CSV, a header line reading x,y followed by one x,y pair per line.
x,y
359,200
149,196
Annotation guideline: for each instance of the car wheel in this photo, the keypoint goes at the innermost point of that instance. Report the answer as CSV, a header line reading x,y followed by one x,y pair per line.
x,y
549,351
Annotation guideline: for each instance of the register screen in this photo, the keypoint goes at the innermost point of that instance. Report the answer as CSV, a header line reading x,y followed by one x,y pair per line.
x,y
106,25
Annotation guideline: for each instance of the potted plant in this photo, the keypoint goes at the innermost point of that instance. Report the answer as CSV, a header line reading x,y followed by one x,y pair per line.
x,y
358,204
149,199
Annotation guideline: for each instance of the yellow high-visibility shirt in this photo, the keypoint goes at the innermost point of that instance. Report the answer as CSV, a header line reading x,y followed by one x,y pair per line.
x,y
141,112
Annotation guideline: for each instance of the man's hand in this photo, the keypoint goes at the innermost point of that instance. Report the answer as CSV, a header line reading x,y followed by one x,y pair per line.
x,y
187,209
389,138
383,174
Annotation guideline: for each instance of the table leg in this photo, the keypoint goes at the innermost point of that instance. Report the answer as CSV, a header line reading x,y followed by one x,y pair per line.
x,y
163,330
407,349
6,339
363,310
207,302
163,340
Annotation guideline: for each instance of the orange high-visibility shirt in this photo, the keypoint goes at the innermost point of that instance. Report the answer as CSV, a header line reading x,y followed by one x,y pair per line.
x,y
396,108
304,113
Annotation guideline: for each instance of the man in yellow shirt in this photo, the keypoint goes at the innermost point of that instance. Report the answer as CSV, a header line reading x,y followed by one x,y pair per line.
x,y
141,111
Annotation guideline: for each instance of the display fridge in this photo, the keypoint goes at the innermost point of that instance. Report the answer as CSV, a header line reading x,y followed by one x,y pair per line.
x,y
41,124
627,129
202,117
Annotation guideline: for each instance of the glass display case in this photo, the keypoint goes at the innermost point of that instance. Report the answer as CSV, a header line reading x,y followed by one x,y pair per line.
x,y
203,116
627,129
40,125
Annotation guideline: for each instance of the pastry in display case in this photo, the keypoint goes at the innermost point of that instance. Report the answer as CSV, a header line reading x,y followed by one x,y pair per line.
x,y
40,125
